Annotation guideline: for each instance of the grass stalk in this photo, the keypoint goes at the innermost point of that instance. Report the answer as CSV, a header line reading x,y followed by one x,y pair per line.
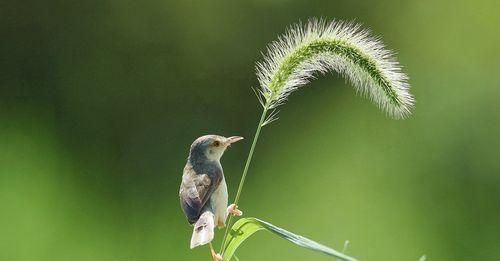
x,y
320,47
244,175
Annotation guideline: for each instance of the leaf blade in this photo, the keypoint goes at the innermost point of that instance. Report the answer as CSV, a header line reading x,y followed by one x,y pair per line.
x,y
240,231
246,227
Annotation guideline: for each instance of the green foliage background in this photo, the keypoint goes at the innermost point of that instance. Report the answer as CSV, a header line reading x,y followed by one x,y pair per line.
x,y
100,100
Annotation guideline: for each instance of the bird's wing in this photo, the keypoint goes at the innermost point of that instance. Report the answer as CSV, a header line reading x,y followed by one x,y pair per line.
x,y
195,192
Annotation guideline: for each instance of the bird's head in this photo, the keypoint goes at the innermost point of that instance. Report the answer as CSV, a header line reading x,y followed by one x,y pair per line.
x,y
211,147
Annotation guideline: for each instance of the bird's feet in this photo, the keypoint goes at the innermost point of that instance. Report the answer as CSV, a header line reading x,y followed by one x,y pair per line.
x,y
233,210
215,256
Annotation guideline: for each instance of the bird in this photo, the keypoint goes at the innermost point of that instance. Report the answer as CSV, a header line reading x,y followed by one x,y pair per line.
x,y
203,190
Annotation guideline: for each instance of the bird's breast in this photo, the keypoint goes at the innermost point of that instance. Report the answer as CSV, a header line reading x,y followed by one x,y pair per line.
x,y
218,200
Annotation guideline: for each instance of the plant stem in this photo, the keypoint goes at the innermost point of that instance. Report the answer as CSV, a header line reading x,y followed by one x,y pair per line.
x,y
245,170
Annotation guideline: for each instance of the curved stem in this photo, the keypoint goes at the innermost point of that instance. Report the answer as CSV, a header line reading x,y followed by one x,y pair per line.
x,y
245,170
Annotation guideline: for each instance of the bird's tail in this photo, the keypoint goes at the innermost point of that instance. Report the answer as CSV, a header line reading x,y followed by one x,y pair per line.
x,y
203,231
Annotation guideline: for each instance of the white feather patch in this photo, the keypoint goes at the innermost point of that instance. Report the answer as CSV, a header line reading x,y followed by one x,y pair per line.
x,y
203,231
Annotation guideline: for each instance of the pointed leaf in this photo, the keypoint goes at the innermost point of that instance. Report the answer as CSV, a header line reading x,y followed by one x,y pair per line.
x,y
245,227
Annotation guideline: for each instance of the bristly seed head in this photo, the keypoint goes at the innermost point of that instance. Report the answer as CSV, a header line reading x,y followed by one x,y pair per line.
x,y
344,47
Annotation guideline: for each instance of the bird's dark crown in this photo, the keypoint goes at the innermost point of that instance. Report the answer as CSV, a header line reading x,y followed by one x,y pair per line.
x,y
200,146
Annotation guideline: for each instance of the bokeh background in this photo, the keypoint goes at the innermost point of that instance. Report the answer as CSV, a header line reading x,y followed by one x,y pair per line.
x,y
100,100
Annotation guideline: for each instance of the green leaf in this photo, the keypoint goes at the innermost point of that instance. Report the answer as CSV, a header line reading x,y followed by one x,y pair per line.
x,y
245,227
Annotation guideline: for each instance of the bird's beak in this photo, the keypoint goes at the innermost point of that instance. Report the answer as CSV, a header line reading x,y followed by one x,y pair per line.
x,y
233,139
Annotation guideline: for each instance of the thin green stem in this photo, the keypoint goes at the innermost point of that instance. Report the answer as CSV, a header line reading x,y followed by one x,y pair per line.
x,y
250,155
244,175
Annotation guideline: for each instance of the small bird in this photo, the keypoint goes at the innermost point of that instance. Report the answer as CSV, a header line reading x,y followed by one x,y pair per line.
x,y
203,192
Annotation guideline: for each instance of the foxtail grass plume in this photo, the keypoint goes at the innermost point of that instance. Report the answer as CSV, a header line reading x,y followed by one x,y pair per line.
x,y
319,47
344,47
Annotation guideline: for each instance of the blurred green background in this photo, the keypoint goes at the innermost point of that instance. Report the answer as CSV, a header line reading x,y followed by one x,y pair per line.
x,y
100,100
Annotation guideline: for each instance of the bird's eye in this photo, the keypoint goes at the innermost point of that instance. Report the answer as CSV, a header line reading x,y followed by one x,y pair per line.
x,y
216,143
